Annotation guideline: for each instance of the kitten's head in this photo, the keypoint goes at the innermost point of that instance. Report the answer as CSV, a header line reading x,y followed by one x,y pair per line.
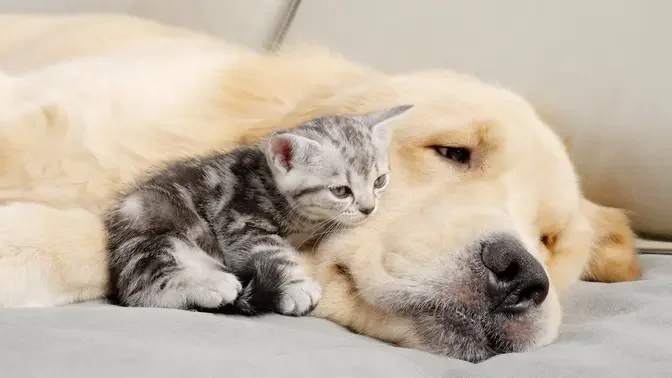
x,y
334,167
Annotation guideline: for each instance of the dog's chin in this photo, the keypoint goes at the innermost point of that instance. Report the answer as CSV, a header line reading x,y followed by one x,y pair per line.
x,y
460,322
471,336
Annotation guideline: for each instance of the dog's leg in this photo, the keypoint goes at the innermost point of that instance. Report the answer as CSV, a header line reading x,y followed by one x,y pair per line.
x,y
50,257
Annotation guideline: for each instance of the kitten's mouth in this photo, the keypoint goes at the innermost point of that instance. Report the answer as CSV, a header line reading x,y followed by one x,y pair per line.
x,y
344,221
356,222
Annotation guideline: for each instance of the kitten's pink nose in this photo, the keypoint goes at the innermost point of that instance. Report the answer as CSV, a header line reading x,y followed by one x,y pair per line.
x,y
367,210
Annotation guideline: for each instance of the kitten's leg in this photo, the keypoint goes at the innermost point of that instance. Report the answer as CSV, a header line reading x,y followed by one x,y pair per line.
x,y
277,281
163,254
169,271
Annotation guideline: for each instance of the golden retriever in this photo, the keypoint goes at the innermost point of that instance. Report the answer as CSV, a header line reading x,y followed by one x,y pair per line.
x,y
482,229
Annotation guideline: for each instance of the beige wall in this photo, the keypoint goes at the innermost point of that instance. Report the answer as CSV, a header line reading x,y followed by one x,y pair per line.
x,y
249,22
599,70
66,5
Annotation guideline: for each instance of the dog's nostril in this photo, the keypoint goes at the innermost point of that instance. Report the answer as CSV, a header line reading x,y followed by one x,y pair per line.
x,y
509,273
536,294
516,281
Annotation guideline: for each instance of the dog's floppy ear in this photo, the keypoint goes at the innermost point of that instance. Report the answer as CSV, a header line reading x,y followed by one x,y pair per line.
x,y
568,142
614,257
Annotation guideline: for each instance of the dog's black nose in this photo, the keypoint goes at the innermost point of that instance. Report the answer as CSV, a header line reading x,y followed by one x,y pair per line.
x,y
516,280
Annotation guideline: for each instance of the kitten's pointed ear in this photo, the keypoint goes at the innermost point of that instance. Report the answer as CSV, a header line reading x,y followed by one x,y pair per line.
x,y
381,122
285,151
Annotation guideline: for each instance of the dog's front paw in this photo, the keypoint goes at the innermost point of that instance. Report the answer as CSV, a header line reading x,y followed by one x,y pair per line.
x,y
299,297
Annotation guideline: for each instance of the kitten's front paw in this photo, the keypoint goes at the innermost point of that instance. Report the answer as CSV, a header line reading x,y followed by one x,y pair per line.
x,y
300,297
216,290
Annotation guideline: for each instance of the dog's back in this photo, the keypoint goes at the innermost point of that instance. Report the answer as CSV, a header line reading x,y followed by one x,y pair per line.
x,y
32,41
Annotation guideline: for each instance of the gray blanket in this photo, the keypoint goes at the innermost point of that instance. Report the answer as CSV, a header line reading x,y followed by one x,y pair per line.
x,y
610,330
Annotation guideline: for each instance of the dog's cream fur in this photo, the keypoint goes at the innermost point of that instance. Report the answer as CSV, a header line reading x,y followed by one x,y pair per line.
x,y
88,101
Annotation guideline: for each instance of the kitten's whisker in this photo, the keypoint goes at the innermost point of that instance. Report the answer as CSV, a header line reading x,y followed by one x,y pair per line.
x,y
320,227
335,227
292,208
287,214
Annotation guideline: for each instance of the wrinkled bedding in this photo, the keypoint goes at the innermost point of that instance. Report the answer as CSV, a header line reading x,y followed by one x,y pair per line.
x,y
610,330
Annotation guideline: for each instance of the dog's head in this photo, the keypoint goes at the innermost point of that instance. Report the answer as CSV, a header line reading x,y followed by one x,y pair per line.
x,y
482,227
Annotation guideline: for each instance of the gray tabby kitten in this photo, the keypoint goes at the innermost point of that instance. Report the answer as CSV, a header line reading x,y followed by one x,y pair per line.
x,y
213,233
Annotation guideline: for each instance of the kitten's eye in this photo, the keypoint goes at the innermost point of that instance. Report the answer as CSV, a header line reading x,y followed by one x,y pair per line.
x,y
460,155
380,181
341,191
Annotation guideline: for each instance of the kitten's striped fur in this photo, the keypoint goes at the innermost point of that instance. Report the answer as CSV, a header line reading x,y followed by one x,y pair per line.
x,y
213,233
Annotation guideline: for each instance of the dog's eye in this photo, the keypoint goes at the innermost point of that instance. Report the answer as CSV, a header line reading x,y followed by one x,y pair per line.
x,y
548,240
460,155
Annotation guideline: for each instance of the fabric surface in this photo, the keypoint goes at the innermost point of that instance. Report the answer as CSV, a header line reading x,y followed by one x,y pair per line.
x,y
610,330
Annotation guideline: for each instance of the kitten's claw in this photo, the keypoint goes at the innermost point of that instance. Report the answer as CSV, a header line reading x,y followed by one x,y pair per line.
x,y
218,289
300,297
